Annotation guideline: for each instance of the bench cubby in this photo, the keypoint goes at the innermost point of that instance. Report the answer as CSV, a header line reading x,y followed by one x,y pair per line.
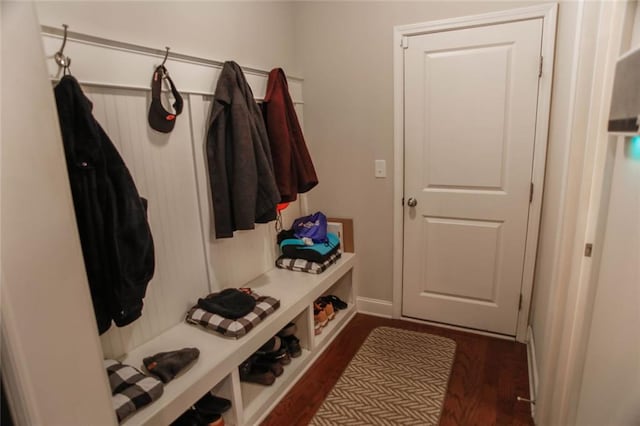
x,y
216,370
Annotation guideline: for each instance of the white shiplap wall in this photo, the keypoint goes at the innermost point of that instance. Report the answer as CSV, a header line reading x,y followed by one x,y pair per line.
x,y
162,167
170,171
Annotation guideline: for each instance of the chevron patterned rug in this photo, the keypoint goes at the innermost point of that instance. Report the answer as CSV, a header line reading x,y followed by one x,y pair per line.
x,y
397,377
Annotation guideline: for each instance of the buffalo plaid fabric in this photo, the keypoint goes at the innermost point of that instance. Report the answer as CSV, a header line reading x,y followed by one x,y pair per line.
x,y
265,305
302,265
130,389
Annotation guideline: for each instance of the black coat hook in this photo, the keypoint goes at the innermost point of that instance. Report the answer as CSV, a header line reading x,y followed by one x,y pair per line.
x,y
60,58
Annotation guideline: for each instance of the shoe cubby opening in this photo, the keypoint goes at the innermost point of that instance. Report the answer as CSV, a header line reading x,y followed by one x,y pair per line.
x,y
342,289
259,385
257,398
214,406
225,389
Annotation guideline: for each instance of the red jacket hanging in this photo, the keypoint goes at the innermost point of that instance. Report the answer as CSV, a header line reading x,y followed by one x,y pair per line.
x,y
291,160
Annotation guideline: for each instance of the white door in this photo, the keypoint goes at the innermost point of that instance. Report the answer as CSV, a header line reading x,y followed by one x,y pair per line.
x,y
470,117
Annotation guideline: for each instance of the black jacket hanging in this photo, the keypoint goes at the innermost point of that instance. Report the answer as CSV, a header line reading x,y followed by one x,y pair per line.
x,y
116,239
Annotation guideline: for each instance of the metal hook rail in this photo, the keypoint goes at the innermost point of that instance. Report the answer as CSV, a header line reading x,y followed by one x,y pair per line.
x,y
87,38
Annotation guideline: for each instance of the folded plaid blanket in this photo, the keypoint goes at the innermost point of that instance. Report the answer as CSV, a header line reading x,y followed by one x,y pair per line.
x,y
302,265
265,305
130,389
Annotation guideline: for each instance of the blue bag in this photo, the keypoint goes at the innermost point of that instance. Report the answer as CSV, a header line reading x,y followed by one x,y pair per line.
x,y
313,227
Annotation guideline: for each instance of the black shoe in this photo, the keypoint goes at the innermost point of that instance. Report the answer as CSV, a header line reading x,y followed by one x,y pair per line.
x,y
211,404
274,365
274,344
288,330
337,303
255,374
189,418
292,343
281,356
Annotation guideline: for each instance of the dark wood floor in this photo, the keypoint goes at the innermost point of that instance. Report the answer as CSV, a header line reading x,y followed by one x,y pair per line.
x,y
488,374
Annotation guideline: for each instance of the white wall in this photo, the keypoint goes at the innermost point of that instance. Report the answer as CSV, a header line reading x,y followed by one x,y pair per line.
x,y
345,53
635,34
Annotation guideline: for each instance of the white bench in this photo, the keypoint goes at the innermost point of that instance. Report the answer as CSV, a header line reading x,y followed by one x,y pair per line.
x,y
217,367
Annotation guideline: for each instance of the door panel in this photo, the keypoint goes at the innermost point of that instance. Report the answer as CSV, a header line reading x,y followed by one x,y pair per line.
x,y
461,261
446,138
470,115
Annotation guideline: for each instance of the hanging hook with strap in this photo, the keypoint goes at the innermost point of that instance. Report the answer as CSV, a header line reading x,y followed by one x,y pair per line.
x,y
164,71
60,58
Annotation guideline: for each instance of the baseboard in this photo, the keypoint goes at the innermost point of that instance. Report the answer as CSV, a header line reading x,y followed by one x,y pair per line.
x,y
533,370
376,307
455,327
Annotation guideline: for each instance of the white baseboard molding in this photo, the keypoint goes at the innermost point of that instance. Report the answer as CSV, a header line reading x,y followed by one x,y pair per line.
x,y
455,327
533,371
376,307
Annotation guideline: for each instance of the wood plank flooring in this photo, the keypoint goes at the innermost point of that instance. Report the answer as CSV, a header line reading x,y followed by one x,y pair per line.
x,y
488,374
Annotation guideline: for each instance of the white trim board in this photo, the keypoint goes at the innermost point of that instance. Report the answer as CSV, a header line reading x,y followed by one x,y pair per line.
x,y
570,314
532,365
375,307
509,15
548,13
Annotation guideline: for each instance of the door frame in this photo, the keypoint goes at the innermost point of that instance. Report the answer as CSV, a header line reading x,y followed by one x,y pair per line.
x,y
575,280
548,14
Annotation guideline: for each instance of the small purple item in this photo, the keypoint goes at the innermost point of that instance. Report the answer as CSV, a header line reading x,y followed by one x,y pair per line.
x,y
313,226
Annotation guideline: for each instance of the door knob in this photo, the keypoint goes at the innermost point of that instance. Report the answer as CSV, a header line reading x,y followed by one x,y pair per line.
x,y
412,202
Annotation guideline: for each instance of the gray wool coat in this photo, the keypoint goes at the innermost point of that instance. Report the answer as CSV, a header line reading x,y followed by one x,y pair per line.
x,y
241,177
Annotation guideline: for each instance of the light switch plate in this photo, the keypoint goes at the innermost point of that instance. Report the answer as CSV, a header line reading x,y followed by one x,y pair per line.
x,y
381,169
